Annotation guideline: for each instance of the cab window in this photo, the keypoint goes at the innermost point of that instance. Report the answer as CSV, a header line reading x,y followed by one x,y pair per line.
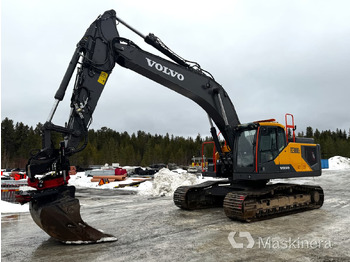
x,y
245,152
271,142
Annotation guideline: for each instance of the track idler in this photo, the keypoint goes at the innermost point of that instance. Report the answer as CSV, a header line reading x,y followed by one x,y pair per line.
x,y
57,212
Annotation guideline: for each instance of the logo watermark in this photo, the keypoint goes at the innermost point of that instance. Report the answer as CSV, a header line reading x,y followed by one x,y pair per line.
x,y
245,240
247,235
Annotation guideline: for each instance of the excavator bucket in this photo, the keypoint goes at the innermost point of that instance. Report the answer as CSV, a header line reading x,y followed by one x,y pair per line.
x,y
58,214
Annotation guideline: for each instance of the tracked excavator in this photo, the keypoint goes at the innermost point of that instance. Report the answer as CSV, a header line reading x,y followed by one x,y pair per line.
x,y
253,154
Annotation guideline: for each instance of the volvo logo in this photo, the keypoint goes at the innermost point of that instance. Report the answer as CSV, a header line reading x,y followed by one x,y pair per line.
x,y
284,168
165,69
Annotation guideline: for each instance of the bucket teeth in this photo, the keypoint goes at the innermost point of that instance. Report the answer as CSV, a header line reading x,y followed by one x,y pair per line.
x,y
59,216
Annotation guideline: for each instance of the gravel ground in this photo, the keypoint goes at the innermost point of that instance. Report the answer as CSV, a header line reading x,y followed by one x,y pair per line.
x,y
154,229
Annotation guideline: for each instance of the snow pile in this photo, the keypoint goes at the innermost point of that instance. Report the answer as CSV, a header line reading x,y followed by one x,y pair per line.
x,y
339,163
7,207
80,180
166,182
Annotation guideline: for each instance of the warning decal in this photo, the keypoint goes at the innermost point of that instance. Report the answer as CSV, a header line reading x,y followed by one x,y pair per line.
x,y
102,78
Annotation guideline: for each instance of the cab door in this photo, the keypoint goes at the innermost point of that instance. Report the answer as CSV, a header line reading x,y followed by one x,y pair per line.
x,y
271,142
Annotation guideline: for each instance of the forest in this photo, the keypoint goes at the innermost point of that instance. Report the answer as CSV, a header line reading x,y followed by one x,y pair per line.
x,y
138,149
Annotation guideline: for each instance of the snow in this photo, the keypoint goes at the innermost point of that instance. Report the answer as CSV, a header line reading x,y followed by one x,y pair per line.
x,y
166,182
7,207
81,242
80,180
339,163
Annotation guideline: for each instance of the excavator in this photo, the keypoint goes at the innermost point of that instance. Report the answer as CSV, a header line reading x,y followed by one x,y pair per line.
x,y
252,155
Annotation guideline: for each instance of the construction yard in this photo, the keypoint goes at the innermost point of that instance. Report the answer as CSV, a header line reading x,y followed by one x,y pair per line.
x,y
152,228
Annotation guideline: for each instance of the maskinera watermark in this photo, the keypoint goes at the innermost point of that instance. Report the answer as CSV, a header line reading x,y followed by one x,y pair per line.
x,y
245,240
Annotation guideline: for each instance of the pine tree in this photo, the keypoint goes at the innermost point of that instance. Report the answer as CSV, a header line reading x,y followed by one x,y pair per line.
x,y
7,142
317,134
309,132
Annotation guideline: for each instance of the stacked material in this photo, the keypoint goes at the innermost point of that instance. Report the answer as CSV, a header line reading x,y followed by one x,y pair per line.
x,y
109,178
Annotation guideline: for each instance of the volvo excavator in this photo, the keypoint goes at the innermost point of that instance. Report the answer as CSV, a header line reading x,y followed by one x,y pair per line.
x,y
254,153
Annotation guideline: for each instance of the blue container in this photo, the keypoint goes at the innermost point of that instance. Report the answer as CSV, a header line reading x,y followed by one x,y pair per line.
x,y
324,163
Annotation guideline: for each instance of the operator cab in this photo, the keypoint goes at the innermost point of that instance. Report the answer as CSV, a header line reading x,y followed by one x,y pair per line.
x,y
258,143
265,150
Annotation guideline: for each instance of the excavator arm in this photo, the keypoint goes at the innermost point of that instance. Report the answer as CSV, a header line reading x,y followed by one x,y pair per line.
x,y
53,205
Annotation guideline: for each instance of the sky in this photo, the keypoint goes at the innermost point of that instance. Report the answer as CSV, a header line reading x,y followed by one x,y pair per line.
x,y
271,57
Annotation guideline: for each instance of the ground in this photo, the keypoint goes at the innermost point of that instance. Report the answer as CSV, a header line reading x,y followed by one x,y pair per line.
x,y
154,229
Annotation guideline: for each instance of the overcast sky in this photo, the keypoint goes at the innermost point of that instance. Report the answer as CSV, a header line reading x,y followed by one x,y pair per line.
x,y
272,58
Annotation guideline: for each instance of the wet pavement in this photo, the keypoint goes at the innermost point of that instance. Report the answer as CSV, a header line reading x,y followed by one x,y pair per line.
x,y
154,229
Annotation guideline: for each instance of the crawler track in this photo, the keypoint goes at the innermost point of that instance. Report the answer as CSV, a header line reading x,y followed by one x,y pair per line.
x,y
247,203
275,200
197,196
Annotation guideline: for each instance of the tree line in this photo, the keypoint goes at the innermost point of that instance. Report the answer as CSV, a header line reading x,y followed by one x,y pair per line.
x,y
105,146
139,149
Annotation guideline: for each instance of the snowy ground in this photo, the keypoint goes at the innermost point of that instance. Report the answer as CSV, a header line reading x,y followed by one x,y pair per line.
x,y
151,228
